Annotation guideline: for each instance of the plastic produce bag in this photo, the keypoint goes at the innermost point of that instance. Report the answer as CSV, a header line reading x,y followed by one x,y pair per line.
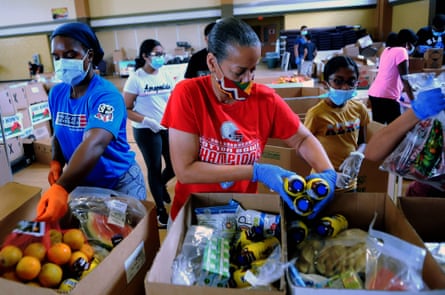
x,y
393,264
420,155
105,216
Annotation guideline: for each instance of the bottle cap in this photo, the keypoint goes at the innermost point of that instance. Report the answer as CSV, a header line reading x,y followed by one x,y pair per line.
x,y
294,185
303,205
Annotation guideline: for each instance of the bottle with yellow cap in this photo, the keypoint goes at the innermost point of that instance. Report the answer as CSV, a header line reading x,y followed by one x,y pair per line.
x,y
294,185
317,188
330,226
303,205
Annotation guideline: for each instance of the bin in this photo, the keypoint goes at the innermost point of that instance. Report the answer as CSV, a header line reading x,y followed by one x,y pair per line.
x,y
272,59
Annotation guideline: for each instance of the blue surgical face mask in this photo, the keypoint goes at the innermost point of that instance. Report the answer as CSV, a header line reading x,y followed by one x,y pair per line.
x,y
157,62
437,34
339,96
70,71
411,50
303,33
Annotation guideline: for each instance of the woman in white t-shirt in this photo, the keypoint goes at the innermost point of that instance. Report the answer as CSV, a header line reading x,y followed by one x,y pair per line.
x,y
146,93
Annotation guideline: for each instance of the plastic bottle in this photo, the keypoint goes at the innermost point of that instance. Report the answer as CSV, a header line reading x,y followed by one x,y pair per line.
x,y
297,231
317,188
294,185
303,205
257,250
330,226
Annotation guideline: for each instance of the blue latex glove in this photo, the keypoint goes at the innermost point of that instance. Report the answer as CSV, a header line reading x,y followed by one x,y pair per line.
x,y
428,103
331,177
422,48
273,177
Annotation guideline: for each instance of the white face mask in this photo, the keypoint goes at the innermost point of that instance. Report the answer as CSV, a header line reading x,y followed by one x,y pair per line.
x,y
70,71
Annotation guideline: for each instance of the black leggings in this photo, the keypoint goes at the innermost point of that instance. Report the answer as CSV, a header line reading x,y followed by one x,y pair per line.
x,y
384,110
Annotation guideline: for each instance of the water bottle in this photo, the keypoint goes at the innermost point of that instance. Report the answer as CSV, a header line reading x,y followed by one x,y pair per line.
x,y
297,231
294,185
330,226
303,205
317,188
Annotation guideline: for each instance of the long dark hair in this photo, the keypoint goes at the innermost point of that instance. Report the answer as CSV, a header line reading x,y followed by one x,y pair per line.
x,y
230,31
145,49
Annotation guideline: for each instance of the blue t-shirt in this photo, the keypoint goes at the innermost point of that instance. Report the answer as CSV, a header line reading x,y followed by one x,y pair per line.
x,y
103,107
300,41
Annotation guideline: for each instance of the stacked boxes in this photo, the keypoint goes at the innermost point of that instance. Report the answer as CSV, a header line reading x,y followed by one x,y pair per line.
x,y
25,116
121,272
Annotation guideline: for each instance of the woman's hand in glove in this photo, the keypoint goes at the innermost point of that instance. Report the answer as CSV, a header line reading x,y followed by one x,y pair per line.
x,y
428,103
330,176
351,165
273,177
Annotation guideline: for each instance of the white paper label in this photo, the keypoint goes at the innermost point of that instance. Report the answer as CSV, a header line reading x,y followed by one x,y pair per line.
x,y
135,262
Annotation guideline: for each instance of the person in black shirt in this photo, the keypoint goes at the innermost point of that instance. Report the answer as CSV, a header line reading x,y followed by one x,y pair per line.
x,y
197,65
431,36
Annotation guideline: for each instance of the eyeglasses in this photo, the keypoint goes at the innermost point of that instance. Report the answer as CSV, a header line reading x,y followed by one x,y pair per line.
x,y
340,82
157,54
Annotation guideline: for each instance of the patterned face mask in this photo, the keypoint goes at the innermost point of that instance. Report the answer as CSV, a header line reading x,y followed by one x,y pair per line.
x,y
235,90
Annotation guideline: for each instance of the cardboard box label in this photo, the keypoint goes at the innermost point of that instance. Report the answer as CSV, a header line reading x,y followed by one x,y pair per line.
x,y
135,262
12,126
39,112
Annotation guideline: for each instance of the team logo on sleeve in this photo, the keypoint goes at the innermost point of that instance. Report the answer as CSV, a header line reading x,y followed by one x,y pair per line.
x,y
231,132
105,112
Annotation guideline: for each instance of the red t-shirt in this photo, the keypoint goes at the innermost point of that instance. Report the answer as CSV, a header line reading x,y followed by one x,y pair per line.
x,y
230,134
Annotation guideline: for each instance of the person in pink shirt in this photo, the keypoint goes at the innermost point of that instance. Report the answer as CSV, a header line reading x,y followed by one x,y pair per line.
x,y
387,88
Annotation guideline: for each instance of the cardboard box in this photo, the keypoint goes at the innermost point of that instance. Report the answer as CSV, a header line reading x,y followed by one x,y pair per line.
x,y
416,64
367,75
18,93
43,150
273,81
5,168
158,278
35,93
433,58
39,112
369,179
426,215
6,104
292,92
300,105
14,148
121,272
12,126
359,209
19,201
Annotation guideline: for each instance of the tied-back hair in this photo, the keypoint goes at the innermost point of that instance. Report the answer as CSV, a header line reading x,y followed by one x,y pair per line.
x,y
229,32
338,62
145,49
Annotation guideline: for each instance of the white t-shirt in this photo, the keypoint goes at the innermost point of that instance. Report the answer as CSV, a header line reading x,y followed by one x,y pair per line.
x,y
152,90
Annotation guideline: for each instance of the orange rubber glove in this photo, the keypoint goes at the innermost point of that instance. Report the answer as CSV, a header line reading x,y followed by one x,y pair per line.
x,y
53,205
55,170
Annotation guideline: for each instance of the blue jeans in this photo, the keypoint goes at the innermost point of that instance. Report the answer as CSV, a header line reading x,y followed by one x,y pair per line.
x,y
132,183
153,147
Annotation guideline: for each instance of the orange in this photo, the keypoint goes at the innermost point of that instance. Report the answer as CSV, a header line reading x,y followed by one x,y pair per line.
x,y
55,236
11,275
10,255
28,268
59,253
33,284
78,255
51,275
88,250
74,238
36,250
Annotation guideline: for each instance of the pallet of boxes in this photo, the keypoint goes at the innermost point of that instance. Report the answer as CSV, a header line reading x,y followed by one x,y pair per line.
x,y
104,245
